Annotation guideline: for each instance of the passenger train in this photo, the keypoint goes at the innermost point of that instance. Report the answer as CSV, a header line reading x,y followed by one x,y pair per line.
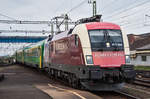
x,y
93,55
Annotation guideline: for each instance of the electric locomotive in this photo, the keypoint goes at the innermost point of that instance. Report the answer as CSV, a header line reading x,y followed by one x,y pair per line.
x,y
93,55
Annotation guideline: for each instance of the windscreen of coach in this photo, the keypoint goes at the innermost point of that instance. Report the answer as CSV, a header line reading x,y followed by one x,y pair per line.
x,y
106,40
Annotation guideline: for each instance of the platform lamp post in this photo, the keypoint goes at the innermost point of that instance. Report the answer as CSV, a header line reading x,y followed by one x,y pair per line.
x,y
93,2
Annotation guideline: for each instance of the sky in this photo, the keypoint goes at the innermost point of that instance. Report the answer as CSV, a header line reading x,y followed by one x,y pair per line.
x,y
127,13
132,15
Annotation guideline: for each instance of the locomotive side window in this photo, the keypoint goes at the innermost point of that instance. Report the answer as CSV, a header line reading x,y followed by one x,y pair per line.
x,y
76,40
106,40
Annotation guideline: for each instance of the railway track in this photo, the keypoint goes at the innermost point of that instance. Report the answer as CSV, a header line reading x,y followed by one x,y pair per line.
x,y
143,73
57,85
140,82
102,94
129,96
1,77
118,94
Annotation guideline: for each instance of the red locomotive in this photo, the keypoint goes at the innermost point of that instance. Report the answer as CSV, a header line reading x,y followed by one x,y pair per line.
x,y
94,55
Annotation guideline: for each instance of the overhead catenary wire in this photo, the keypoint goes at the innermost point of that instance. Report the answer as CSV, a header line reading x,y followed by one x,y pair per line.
x,y
136,22
75,7
120,12
136,25
59,7
108,4
133,24
131,14
125,10
7,16
139,26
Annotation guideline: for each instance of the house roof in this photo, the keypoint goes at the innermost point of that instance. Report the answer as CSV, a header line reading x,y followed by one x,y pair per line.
x,y
139,42
146,47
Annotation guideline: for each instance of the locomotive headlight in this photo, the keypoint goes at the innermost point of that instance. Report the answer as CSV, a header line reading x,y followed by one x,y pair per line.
x,y
89,59
127,59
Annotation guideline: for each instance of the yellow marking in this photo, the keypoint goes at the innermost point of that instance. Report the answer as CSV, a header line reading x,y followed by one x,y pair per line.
x,y
73,92
40,57
33,48
40,62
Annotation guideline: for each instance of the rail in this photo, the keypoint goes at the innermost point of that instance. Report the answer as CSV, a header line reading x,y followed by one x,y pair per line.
x,y
129,96
140,82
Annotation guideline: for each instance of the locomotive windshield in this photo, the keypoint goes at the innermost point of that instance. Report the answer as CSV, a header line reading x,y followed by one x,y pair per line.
x,y
106,40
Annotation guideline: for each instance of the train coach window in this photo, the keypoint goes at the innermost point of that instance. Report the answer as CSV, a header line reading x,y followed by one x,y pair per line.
x,y
76,40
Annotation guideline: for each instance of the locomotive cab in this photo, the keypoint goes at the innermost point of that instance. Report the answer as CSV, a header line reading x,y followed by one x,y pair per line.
x,y
94,55
105,47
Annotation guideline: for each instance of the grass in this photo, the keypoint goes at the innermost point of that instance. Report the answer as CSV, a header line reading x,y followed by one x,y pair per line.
x,y
147,68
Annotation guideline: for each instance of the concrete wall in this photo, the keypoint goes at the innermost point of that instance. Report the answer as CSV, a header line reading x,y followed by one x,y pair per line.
x,y
138,61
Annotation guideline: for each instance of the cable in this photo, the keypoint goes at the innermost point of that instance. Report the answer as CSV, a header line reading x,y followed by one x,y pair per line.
x,y
137,12
120,12
60,6
128,9
137,23
75,7
107,5
139,26
7,16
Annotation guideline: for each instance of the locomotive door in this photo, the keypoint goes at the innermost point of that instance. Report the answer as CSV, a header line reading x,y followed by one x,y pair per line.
x,y
46,55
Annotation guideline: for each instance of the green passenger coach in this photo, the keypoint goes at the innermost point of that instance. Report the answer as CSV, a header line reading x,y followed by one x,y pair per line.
x,y
31,55
19,56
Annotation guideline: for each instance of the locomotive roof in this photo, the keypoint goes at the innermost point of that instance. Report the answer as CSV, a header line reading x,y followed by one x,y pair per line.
x,y
89,26
60,35
101,25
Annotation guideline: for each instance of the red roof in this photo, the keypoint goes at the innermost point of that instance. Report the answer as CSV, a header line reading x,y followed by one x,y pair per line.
x,y
101,25
141,41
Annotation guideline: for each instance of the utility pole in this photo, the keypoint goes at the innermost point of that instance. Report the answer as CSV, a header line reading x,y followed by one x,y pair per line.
x,y
61,20
66,22
93,2
52,29
57,22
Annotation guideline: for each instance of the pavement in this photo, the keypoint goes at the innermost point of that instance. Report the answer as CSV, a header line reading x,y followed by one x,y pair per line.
x,y
19,83
27,83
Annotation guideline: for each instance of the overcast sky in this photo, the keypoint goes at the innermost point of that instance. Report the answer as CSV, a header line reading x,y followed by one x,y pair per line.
x,y
130,14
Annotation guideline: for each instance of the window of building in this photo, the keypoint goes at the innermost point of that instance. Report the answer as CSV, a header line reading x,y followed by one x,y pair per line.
x,y
143,58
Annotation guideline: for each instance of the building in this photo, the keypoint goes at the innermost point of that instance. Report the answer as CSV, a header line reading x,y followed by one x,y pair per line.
x,y
140,49
141,57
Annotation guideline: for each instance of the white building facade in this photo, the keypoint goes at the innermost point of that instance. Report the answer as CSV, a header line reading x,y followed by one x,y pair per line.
x,y
141,57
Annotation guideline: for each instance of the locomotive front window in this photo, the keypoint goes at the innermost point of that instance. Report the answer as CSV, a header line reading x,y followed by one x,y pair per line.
x,y
106,40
